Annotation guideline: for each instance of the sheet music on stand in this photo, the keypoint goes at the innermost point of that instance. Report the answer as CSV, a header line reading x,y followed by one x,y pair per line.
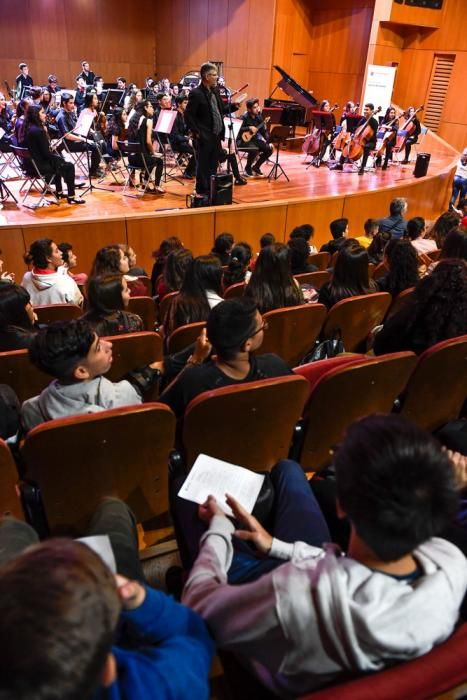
x,y
84,123
165,121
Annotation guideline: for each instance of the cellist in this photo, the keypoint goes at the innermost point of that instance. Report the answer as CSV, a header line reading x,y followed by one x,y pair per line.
x,y
369,141
389,125
414,128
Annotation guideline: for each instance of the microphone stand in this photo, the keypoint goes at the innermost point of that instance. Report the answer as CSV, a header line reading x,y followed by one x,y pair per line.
x,y
231,139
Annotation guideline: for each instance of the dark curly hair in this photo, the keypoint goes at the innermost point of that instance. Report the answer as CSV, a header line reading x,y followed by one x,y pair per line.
x,y
455,244
403,266
443,224
272,285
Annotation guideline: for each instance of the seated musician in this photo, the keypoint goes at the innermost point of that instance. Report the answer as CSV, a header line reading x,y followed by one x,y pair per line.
x,y
414,134
259,150
6,125
52,84
389,126
66,122
179,139
370,142
116,131
23,80
33,135
326,135
80,93
140,129
51,112
349,117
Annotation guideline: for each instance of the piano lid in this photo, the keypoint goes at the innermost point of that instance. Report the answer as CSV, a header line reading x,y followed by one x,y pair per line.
x,y
294,90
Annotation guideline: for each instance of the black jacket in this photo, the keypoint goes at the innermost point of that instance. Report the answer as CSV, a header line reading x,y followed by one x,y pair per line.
x,y
198,115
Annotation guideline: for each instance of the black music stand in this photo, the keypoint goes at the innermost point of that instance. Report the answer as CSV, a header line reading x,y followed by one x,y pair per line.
x,y
279,135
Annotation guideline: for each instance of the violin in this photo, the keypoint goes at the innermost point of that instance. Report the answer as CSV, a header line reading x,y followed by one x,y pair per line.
x,y
354,148
407,129
388,138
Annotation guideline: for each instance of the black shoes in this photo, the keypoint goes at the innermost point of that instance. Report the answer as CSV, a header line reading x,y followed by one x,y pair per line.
x,y
240,181
338,166
404,162
249,172
75,200
257,172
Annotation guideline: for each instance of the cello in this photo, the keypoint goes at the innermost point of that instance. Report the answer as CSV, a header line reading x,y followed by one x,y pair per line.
x,y
407,129
388,137
353,150
314,141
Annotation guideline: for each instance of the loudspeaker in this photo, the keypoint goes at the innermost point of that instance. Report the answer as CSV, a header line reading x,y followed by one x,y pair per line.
x,y
421,164
221,189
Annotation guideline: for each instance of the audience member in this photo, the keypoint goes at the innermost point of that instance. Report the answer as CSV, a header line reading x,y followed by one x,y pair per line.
x,y
17,318
305,231
401,260
160,256
94,634
443,224
272,285
176,265
437,310
416,228
111,260
349,277
266,239
199,293
130,254
299,252
370,227
294,626
339,231
222,247
455,244
240,259
48,283
377,246
107,302
235,330
70,261
395,223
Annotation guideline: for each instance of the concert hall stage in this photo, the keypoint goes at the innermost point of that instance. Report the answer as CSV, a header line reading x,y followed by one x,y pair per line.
x,y
313,196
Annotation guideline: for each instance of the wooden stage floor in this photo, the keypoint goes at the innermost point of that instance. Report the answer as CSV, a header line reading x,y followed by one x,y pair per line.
x,y
305,183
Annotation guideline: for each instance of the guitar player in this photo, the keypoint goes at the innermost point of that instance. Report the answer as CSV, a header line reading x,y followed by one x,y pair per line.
x,y
258,147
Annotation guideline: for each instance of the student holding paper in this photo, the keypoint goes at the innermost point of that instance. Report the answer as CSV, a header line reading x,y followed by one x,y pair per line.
x,y
319,614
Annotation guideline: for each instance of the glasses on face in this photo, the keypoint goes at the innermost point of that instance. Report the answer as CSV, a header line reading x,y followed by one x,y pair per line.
x,y
264,326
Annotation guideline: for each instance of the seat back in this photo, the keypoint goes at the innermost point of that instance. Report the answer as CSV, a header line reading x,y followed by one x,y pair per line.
x,y
122,452
132,351
321,260
183,336
146,309
49,313
292,331
344,394
399,301
316,279
250,425
442,674
355,318
17,371
10,503
380,271
235,290
437,389
147,283
164,306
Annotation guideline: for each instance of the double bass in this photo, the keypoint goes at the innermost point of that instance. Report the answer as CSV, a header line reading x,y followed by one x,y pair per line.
x,y
353,150
407,129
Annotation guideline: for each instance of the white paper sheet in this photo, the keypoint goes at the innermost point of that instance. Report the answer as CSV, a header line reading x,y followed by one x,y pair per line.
x,y
210,476
100,544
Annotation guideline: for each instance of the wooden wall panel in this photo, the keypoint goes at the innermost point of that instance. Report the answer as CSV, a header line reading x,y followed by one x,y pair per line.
x,y
54,36
195,229
13,249
249,223
86,238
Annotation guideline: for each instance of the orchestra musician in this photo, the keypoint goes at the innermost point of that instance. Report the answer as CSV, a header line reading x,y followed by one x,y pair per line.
x,y
348,123
389,126
87,73
91,105
326,136
23,80
66,122
6,125
116,131
140,131
132,100
410,112
33,135
80,93
179,139
258,148
52,84
204,116
369,143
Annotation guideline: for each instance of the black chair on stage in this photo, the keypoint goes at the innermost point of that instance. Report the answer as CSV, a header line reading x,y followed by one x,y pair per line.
x,y
33,178
128,149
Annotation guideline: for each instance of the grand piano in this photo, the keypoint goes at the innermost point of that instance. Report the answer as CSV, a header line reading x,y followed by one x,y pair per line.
x,y
295,112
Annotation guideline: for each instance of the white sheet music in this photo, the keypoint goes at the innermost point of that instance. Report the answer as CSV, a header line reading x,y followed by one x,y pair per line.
x,y
84,123
2,133
100,544
210,476
237,124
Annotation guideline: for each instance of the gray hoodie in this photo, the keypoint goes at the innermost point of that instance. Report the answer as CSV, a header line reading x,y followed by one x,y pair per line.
x,y
321,614
63,400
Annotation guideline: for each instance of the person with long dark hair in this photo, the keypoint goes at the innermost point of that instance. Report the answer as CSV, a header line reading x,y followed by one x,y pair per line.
x,y
240,258
107,299
160,257
377,246
416,228
175,268
111,260
443,224
455,244
33,135
437,310
116,131
200,292
140,129
349,277
17,318
401,259
272,285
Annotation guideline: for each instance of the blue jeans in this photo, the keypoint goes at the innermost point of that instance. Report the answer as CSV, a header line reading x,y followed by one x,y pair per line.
x,y
296,516
459,188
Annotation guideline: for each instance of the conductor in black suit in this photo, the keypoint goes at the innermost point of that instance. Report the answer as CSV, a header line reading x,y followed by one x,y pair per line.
x,y
205,118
